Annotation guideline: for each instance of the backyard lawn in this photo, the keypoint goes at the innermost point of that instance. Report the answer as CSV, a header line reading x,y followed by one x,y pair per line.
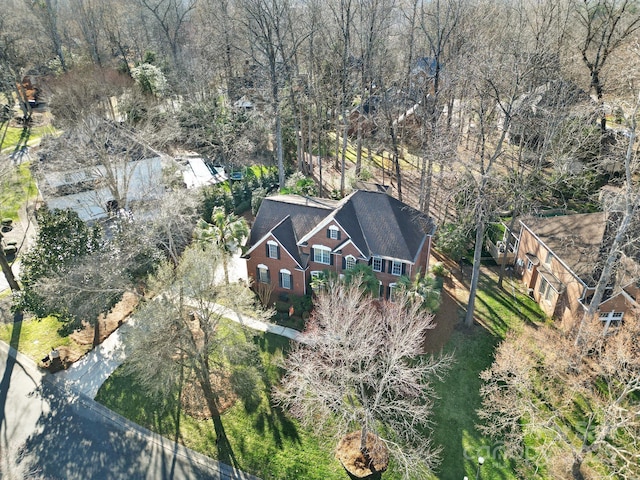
x,y
455,413
17,187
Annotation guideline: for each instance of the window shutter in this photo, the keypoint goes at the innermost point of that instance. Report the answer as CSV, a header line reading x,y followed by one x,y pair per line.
x,y
404,268
278,252
328,233
313,254
330,259
280,280
388,292
344,263
339,234
257,279
267,250
382,265
268,276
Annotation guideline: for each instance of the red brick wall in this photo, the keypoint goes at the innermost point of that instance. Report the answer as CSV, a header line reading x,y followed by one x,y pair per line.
x,y
259,256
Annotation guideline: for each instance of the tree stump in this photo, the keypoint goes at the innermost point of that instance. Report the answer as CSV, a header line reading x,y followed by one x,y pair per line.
x,y
358,465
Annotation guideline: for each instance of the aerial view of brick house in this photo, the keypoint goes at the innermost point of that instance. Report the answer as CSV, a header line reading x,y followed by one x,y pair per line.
x,y
560,259
295,238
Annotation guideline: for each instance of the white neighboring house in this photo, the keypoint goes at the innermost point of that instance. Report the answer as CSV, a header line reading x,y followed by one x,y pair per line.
x,y
90,191
196,173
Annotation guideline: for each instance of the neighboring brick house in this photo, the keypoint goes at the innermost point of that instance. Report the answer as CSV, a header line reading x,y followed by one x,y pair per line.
x,y
295,238
560,260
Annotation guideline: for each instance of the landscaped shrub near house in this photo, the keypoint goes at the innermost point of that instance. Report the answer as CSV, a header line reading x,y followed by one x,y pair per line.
x,y
256,199
439,270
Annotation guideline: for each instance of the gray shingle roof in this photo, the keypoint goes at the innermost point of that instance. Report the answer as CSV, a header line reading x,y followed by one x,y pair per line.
x,y
385,226
377,223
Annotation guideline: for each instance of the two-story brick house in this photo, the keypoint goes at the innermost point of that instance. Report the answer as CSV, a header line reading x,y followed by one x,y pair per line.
x,y
560,259
295,238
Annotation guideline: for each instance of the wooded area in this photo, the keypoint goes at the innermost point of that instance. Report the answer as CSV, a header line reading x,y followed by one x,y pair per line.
x,y
475,112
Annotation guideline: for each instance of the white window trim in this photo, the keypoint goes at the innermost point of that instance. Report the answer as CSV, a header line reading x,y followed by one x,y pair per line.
x,y
547,260
392,287
373,264
263,268
529,265
333,232
323,249
283,272
611,319
349,259
273,248
394,264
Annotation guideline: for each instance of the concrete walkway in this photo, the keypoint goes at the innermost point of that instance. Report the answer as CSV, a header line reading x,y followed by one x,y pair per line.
x,y
87,375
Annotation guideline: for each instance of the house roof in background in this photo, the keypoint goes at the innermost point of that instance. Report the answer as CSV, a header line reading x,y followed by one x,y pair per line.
x,y
574,239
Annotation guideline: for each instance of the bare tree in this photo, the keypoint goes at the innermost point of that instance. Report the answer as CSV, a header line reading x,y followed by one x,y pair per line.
x,y
360,365
178,336
575,404
625,240
273,49
604,25
171,16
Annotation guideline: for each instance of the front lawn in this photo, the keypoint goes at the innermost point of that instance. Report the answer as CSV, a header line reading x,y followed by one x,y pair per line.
x,y
17,188
36,336
14,134
263,440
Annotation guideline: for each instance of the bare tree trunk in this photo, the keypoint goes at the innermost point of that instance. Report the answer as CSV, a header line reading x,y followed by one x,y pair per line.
x,y
8,272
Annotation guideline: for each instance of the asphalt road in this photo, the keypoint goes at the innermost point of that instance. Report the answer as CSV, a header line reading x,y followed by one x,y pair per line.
x,y
49,432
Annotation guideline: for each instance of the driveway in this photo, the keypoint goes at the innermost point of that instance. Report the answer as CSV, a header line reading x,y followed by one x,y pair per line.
x,y
49,432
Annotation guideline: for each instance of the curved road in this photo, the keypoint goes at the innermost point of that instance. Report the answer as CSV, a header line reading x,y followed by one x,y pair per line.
x,y
49,432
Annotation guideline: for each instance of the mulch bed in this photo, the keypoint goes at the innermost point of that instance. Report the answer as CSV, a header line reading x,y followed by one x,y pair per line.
x,y
194,402
354,462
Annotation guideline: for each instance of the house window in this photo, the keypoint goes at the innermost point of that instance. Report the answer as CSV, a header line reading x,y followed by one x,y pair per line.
x,y
272,249
376,264
333,233
529,265
349,262
321,254
611,319
318,280
263,273
396,268
393,291
545,290
285,279
547,260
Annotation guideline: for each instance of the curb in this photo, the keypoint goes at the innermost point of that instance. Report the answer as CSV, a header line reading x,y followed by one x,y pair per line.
x,y
219,470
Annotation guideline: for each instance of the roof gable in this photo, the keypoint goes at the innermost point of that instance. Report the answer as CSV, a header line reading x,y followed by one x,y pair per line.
x,y
376,223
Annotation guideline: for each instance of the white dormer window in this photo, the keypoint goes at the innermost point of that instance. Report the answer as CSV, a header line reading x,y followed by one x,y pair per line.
x,y
333,232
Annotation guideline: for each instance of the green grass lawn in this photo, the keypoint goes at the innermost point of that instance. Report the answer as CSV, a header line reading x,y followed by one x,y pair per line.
x,y
455,413
268,443
264,441
14,133
17,186
35,337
